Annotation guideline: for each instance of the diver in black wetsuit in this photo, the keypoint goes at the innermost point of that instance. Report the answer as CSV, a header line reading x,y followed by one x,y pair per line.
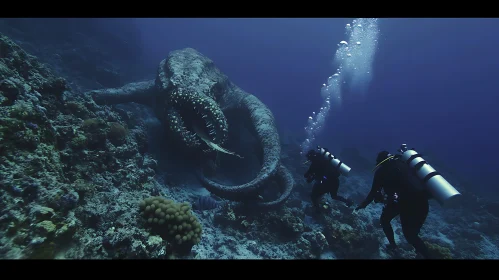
x,y
326,176
399,198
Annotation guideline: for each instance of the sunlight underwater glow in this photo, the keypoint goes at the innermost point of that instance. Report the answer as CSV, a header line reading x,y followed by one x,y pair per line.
x,y
354,59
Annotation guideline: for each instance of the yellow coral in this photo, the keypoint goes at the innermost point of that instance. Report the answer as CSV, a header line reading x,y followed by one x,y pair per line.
x,y
439,252
173,221
47,226
117,133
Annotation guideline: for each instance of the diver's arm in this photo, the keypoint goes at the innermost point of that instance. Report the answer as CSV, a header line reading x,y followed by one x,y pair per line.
x,y
309,172
309,175
376,186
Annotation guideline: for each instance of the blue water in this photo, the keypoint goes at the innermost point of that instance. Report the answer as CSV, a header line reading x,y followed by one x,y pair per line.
x,y
433,84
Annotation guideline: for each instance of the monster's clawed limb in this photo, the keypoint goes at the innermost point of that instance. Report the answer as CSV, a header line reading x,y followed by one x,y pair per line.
x,y
140,92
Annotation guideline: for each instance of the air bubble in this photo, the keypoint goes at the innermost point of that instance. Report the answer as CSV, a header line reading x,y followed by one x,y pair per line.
x,y
354,65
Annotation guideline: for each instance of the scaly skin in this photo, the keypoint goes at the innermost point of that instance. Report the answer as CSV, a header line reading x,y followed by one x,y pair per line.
x,y
189,86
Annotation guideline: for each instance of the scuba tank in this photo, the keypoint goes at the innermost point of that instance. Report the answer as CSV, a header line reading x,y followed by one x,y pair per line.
x,y
337,164
431,180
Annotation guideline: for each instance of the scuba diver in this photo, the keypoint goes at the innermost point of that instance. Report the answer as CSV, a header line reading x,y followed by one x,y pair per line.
x,y
325,170
404,183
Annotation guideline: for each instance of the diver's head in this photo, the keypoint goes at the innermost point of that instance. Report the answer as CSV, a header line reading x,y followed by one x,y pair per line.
x,y
311,154
382,156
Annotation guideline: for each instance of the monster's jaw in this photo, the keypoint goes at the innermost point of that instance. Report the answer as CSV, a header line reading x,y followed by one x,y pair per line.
x,y
185,121
198,121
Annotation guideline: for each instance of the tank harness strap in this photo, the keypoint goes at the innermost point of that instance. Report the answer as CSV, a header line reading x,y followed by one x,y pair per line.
x,y
379,164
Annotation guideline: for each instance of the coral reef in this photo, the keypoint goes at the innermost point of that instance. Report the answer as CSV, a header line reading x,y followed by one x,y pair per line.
x,y
174,222
350,242
439,252
58,158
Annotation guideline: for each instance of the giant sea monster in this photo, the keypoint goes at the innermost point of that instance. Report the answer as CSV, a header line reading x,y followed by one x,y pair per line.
x,y
192,98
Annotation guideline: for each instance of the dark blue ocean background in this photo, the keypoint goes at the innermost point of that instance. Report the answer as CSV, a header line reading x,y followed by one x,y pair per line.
x,y
434,82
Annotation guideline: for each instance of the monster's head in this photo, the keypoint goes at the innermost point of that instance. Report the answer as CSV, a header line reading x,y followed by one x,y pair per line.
x,y
191,110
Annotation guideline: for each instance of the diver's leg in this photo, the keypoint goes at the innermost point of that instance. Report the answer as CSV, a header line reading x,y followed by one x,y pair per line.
x,y
412,217
317,193
390,211
333,186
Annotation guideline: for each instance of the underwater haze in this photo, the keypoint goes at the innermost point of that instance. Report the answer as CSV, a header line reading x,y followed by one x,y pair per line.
x,y
433,84
249,138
